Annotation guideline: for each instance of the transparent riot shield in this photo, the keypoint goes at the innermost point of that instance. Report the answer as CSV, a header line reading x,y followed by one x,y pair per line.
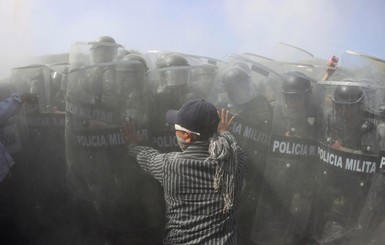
x,y
99,99
152,58
34,121
363,66
246,89
89,53
370,69
170,88
371,219
33,79
286,52
284,205
6,89
348,149
40,171
59,73
292,58
265,78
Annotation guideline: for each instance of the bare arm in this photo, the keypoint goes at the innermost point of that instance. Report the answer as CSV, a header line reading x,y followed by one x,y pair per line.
x,y
331,64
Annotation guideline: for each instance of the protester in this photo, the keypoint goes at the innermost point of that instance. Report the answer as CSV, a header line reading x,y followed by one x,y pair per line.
x,y
8,108
202,183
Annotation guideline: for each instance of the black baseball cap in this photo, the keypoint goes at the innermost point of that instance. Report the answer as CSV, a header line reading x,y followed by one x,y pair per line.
x,y
197,116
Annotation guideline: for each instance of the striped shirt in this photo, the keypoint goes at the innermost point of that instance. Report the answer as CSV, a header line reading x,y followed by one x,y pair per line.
x,y
194,209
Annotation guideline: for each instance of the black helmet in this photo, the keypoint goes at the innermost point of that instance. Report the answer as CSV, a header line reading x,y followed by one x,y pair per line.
x,y
171,60
296,83
104,49
347,95
238,85
105,39
235,74
136,57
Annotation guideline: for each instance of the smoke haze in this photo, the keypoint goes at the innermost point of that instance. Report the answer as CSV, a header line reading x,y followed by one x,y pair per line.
x,y
32,28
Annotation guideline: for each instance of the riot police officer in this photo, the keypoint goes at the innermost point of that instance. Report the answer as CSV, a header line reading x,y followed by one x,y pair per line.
x,y
137,57
100,84
131,81
99,98
347,141
169,89
253,114
347,120
245,101
296,111
284,205
104,49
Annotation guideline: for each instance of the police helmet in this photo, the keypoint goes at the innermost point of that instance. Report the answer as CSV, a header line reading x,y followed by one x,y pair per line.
x,y
105,39
136,57
171,60
238,85
347,95
296,83
104,49
235,74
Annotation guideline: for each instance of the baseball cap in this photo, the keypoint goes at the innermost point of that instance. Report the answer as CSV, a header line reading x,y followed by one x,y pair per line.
x,y
195,116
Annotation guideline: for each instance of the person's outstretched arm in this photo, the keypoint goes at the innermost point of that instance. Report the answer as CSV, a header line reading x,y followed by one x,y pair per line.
x,y
331,67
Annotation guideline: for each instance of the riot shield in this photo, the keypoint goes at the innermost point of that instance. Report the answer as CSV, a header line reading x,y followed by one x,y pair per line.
x,y
363,66
39,174
371,219
370,69
34,79
245,88
59,74
170,88
39,126
286,52
152,57
348,159
292,58
266,79
6,89
99,99
284,205
89,53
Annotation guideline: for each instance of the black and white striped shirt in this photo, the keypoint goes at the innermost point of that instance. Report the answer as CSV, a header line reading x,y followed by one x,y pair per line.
x,y
194,209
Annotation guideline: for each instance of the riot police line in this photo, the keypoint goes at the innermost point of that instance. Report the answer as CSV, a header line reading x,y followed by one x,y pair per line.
x,y
314,146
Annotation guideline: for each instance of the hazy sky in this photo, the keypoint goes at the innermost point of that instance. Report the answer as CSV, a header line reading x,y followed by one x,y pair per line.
x,y
211,28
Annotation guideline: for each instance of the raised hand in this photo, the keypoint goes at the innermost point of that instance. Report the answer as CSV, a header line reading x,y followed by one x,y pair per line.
x,y
225,120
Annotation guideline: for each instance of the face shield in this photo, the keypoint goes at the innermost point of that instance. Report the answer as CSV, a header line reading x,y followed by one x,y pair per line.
x,y
296,101
349,114
202,78
172,79
240,91
103,53
130,76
